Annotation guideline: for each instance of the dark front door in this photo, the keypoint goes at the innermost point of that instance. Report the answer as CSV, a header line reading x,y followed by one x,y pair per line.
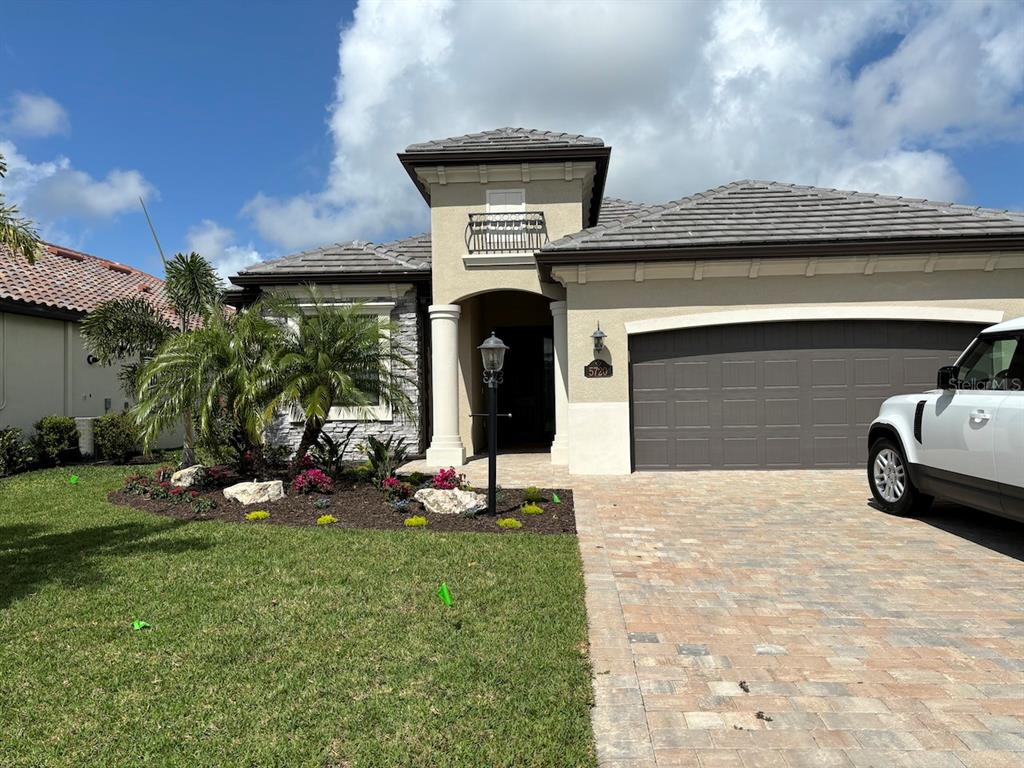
x,y
528,391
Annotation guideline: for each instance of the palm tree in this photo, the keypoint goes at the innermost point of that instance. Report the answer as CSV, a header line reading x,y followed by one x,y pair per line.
x,y
17,233
130,330
338,356
227,368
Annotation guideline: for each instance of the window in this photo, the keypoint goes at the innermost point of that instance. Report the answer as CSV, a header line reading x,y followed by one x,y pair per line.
x,y
506,200
989,364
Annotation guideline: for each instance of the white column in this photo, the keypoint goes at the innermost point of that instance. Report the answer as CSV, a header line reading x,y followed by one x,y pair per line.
x,y
446,449
560,445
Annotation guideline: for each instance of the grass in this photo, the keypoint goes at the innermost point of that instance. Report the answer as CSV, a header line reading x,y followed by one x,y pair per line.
x,y
275,646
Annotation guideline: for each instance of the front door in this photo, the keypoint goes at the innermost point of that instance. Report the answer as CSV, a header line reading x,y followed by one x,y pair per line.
x,y
528,391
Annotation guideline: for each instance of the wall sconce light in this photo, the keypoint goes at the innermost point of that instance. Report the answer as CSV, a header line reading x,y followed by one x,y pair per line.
x,y
598,336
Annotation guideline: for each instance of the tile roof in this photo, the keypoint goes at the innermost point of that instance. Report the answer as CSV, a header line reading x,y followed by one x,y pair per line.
x,y
614,209
405,255
71,281
768,212
410,254
506,139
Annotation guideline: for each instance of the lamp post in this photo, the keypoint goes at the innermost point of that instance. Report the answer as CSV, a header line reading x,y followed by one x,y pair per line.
x,y
493,352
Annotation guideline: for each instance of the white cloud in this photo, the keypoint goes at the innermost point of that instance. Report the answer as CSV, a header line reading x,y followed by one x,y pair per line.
x,y
216,244
53,190
33,114
690,95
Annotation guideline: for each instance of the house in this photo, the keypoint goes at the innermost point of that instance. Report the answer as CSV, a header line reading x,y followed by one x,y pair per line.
x,y
44,366
757,325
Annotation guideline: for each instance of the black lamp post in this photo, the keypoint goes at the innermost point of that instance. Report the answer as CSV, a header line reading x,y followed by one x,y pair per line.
x,y
493,352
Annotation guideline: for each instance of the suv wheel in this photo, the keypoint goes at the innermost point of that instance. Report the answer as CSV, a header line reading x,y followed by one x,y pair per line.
x,y
889,477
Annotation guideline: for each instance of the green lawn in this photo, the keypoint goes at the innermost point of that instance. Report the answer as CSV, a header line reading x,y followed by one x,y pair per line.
x,y
276,646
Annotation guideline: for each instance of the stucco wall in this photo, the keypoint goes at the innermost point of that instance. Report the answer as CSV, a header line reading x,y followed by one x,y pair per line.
x,y
44,370
599,408
285,431
451,204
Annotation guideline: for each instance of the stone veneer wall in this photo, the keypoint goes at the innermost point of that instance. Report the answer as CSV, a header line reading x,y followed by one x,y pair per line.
x,y
407,317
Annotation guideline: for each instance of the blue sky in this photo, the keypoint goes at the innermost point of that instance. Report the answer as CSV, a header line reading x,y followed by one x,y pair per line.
x,y
261,128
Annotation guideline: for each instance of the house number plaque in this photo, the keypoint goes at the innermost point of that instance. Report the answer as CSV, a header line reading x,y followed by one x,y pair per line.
x,y
597,369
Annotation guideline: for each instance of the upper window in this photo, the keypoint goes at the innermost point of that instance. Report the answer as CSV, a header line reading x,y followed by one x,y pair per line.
x,y
992,364
506,200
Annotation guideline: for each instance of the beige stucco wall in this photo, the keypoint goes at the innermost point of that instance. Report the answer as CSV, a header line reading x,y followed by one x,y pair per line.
x,y
599,408
451,204
44,371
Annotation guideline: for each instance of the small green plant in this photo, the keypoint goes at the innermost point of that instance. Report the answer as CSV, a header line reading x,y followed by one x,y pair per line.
x,y
385,457
329,453
416,521
509,523
202,504
321,502
326,520
417,479
258,514
531,509
15,454
117,437
532,495
56,439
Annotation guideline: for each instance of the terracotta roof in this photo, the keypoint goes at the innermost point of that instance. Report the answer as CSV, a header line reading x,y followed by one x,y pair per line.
x,y
770,212
505,139
71,281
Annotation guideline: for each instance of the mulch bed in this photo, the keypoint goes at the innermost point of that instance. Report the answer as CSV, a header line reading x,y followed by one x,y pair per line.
x,y
361,505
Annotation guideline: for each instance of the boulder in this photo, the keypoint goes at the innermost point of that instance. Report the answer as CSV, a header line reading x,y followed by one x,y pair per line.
x,y
255,493
187,477
453,502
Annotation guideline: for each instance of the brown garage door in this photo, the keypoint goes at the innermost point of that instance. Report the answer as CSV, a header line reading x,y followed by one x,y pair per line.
x,y
776,395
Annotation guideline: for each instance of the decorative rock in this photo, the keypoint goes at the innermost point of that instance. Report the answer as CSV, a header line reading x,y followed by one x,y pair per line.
x,y
255,493
187,477
453,502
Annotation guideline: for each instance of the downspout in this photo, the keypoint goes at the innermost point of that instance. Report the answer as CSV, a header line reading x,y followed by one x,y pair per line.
x,y
68,365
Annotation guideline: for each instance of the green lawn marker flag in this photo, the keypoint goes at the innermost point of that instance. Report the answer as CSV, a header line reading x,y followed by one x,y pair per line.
x,y
73,479
444,594
138,625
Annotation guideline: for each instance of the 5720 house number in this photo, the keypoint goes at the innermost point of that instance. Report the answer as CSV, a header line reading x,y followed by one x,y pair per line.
x,y
597,369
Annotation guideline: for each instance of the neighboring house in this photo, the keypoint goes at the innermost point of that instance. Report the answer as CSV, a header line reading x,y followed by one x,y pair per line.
x,y
755,325
44,367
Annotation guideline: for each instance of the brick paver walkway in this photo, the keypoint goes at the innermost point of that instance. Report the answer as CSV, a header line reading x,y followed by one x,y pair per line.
x,y
775,619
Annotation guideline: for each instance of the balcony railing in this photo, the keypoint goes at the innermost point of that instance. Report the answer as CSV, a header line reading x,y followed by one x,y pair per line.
x,y
506,232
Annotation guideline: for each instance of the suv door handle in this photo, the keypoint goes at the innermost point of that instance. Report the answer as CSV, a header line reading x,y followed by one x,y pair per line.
x,y
980,415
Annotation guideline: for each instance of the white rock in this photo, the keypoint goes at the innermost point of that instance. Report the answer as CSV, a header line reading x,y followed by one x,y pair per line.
x,y
453,502
187,477
255,493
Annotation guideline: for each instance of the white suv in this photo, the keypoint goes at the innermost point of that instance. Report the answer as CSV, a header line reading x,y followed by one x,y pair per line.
x,y
963,441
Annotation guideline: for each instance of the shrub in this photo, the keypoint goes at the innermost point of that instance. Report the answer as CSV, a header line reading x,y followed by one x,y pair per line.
x,y
448,479
117,437
326,520
329,453
385,456
56,439
532,495
395,489
363,473
310,480
531,509
509,523
321,502
417,521
202,504
417,479
258,514
15,454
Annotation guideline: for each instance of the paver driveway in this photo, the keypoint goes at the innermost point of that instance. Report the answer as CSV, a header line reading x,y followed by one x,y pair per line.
x,y
864,639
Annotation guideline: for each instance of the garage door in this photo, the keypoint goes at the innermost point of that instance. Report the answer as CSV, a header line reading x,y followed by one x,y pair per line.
x,y
776,395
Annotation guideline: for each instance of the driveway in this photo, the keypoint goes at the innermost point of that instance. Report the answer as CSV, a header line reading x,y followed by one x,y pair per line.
x,y
776,619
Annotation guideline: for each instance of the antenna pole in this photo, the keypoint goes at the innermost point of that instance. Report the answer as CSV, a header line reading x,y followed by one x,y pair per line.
x,y
153,230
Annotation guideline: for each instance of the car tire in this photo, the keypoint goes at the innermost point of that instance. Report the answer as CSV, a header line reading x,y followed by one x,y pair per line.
x,y
889,478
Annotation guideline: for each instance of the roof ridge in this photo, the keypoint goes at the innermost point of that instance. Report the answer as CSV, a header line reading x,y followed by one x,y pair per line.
x,y
60,251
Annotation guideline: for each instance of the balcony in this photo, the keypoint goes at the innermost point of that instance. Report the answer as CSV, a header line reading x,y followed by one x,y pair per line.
x,y
506,232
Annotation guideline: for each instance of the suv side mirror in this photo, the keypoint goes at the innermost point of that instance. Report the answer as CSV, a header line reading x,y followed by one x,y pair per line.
x,y
947,377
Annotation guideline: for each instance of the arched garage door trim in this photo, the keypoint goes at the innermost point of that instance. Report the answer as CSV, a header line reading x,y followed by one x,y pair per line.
x,y
818,312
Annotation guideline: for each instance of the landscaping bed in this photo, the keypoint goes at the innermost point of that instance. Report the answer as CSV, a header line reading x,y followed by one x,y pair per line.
x,y
360,504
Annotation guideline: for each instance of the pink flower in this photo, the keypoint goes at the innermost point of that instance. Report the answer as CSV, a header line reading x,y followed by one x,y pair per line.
x,y
447,479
